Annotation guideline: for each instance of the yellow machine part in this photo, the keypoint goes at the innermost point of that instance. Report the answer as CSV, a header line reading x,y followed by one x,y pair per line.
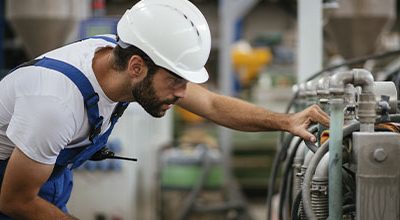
x,y
188,116
249,63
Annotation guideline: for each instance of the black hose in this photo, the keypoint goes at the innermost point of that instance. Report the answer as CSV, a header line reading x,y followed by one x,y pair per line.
x,y
311,146
288,167
349,208
274,172
306,192
355,61
284,181
296,206
289,197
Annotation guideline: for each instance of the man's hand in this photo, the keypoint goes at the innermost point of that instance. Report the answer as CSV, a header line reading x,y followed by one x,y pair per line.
x,y
22,181
299,122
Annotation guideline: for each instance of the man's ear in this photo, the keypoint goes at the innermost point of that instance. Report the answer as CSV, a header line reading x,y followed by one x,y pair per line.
x,y
136,66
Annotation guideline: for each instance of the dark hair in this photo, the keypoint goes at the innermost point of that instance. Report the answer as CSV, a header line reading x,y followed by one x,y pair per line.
x,y
122,56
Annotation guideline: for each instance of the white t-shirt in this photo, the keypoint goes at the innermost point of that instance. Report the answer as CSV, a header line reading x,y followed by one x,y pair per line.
x,y
42,111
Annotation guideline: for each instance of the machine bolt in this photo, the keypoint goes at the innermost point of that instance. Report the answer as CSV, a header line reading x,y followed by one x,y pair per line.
x,y
380,155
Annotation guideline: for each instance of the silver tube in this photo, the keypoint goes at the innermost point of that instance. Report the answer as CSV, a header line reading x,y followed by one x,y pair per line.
x,y
364,79
338,81
323,86
319,189
311,88
322,169
297,162
307,159
367,104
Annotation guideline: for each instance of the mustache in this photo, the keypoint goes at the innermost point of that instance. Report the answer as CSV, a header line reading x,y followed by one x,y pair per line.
x,y
171,101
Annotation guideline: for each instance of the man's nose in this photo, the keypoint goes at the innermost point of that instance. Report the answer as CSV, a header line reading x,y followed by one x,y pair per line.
x,y
180,91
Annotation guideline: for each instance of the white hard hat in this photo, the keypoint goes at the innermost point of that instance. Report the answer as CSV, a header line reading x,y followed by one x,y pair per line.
x,y
173,33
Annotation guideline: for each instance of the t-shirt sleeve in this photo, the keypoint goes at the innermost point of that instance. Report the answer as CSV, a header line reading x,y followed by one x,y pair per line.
x,y
41,126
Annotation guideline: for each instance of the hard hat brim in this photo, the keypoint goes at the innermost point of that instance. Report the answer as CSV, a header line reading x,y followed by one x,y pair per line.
x,y
195,77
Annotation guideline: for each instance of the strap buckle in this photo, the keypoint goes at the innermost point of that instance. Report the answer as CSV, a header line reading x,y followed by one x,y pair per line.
x,y
119,110
96,129
92,100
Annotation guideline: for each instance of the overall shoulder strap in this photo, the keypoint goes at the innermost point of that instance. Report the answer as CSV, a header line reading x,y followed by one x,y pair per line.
x,y
76,156
90,97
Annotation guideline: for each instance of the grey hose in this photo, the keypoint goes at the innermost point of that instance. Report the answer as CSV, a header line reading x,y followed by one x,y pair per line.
x,y
306,192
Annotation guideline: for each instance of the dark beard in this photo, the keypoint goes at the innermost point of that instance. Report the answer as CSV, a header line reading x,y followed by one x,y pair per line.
x,y
145,95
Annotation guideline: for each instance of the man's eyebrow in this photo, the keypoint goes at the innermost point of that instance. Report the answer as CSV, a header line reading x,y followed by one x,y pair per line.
x,y
174,74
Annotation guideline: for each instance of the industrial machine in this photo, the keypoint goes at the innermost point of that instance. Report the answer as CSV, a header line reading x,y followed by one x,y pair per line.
x,y
352,171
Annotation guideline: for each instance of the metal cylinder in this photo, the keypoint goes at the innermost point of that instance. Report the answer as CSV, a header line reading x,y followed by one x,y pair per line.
x,y
357,24
319,199
45,24
319,189
297,162
389,90
367,112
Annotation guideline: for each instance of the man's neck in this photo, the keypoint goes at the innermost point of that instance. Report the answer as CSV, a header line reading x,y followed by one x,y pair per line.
x,y
102,68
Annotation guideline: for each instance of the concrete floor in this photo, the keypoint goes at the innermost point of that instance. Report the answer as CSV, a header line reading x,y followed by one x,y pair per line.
x,y
258,209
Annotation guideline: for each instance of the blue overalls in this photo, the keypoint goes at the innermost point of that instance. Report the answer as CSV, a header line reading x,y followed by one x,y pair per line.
x,y
58,188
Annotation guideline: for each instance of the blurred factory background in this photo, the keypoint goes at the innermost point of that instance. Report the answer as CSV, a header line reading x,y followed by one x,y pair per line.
x,y
260,49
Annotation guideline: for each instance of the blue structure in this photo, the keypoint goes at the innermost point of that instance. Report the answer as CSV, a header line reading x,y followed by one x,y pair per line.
x,y
97,25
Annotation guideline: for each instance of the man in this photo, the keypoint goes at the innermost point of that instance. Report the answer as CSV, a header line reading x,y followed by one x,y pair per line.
x,y
58,110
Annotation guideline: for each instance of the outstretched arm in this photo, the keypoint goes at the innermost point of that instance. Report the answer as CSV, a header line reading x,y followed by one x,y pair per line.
x,y
19,192
240,115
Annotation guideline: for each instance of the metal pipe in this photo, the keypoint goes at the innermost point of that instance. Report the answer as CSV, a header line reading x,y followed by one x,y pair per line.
x,y
311,92
338,81
366,113
335,161
350,93
302,100
364,79
323,92
367,104
323,101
